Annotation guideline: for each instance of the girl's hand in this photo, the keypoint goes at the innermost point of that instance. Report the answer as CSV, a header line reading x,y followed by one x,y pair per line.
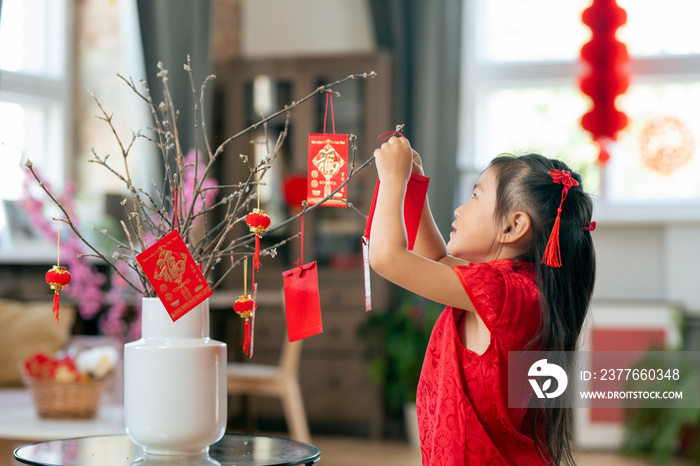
x,y
395,160
417,164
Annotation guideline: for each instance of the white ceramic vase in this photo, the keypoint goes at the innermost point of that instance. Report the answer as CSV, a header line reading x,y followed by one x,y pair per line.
x,y
175,399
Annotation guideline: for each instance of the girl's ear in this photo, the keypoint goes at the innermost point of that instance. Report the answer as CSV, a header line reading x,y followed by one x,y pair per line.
x,y
517,227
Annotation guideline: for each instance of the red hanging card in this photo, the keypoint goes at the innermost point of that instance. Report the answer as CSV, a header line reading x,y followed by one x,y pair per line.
x,y
301,302
328,169
174,275
416,191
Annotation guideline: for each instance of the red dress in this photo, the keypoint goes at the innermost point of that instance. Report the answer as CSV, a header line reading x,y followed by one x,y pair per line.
x,y
463,414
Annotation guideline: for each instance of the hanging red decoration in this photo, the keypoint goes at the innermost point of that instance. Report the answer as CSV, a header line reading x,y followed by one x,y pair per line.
x,y
258,221
605,77
57,277
244,307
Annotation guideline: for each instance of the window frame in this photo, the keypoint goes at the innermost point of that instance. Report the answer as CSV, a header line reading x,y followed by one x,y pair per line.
x,y
50,91
478,74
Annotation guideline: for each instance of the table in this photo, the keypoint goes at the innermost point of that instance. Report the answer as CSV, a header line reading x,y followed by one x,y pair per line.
x,y
119,450
22,422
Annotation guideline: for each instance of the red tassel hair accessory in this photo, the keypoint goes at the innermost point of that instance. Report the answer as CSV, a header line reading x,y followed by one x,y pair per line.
x,y
552,253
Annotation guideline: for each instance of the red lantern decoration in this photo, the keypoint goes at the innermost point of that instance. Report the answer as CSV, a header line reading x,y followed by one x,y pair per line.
x,y
258,221
244,307
57,278
606,76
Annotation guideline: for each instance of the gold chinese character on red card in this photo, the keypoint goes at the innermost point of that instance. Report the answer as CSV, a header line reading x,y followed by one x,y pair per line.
x,y
328,169
174,275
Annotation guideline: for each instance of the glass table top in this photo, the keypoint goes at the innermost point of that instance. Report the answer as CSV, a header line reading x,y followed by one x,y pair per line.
x,y
119,450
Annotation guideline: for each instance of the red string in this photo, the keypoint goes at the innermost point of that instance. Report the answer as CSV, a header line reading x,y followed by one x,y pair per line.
x,y
389,134
329,97
300,262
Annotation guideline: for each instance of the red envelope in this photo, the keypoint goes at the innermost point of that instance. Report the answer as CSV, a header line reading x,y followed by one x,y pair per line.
x,y
328,169
174,275
416,191
301,302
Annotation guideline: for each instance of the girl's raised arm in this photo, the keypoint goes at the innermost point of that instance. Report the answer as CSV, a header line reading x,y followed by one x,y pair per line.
x,y
389,254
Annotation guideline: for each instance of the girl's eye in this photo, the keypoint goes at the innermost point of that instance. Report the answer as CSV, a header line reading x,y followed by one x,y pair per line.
x,y
474,195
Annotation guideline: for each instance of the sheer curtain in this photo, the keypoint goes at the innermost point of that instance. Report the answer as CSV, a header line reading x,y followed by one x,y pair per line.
x,y
425,39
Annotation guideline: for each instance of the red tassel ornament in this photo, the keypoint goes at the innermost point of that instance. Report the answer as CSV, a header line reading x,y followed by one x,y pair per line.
x,y
57,278
244,307
258,221
552,253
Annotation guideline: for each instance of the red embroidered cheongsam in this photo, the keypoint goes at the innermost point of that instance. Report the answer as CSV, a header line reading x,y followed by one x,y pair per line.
x,y
463,414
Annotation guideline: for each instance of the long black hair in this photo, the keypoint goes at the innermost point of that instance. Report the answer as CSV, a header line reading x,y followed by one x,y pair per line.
x,y
525,184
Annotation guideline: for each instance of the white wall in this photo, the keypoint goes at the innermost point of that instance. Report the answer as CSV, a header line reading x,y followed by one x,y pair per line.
x,y
305,27
649,261
682,250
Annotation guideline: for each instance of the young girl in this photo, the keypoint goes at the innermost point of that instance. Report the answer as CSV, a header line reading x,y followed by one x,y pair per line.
x,y
500,297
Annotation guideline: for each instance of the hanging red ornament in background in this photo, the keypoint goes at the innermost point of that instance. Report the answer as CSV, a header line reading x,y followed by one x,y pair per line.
x,y
606,76
294,190
57,277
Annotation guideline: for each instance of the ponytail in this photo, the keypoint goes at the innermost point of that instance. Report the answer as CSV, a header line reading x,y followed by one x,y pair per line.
x,y
525,183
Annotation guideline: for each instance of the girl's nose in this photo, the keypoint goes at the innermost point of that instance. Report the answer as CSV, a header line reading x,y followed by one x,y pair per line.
x,y
458,210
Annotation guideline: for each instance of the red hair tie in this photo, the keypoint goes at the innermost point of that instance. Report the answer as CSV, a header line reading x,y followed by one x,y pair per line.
x,y
552,254
590,227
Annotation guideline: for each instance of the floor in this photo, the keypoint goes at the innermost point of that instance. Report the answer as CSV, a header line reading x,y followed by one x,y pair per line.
x,y
344,451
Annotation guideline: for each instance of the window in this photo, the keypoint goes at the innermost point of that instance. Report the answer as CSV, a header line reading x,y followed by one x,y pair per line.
x,y
520,93
34,91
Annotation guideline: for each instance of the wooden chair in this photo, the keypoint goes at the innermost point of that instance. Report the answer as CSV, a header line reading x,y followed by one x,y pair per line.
x,y
277,381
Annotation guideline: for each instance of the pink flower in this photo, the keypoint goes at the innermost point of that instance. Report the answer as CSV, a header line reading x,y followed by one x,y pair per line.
x,y
196,164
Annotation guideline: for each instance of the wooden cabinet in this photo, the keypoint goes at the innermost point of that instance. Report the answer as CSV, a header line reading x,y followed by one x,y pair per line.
x,y
336,387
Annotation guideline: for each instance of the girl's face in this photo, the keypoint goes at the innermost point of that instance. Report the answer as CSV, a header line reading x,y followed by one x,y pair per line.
x,y
474,232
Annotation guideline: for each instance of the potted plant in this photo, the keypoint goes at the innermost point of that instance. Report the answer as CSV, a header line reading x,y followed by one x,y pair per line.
x,y
396,341
663,433
181,239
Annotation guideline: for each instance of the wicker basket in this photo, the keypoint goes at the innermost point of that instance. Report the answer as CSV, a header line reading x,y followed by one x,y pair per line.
x,y
66,400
